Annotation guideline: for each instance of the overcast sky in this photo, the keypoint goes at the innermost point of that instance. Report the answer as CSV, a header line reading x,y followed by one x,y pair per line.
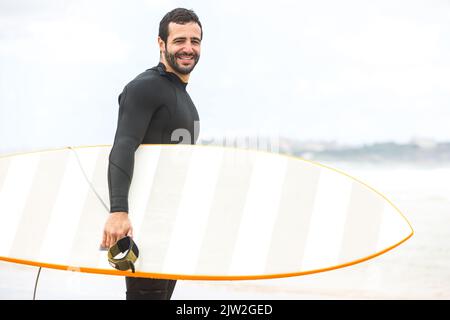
x,y
350,71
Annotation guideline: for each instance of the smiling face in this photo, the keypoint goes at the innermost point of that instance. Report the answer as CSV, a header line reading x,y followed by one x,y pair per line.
x,y
181,52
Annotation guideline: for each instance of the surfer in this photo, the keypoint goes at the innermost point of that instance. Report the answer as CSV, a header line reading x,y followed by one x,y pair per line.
x,y
152,107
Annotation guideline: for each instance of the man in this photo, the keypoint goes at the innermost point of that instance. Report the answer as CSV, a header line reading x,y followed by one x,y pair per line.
x,y
151,108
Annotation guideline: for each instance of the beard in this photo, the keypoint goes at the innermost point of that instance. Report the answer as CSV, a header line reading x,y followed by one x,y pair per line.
x,y
172,61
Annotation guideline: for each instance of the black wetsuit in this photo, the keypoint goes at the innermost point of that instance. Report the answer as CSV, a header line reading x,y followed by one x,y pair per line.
x,y
151,107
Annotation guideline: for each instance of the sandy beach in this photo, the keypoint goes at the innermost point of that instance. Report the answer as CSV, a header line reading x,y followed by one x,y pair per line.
x,y
417,269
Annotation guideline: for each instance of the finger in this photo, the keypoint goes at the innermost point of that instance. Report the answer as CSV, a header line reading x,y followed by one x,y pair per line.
x,y
114,239
119,236
130,232
110,241
103,243
106,240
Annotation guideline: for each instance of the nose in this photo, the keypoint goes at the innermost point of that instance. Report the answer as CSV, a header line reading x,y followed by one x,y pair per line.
x,y
188,48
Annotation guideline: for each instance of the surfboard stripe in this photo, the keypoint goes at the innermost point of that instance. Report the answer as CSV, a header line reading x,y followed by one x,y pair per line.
x,y
99,182
45,185
146,165
63,224
99,178
93,165
327,221
195,204
162,205
291,227
260,211
4,165
362,223
13,198
226,212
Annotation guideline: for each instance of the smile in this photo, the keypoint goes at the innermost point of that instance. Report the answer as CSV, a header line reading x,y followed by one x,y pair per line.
x,y
185,57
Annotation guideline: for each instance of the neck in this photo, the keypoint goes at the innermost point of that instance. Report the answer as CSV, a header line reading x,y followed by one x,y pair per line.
x,y
183,77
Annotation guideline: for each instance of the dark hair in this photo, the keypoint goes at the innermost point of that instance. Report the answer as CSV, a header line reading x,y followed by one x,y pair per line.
x,y
179,16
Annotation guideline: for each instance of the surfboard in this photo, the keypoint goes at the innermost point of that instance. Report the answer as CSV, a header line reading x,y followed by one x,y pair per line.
x,y
198,212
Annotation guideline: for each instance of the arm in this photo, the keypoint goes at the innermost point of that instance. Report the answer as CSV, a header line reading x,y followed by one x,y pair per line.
x,y
137,105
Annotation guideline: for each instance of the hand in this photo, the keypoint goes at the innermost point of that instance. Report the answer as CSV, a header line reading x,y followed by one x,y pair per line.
x,y
117,226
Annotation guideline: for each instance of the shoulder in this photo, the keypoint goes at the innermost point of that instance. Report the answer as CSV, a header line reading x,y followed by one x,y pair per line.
x,y
147,83
148,86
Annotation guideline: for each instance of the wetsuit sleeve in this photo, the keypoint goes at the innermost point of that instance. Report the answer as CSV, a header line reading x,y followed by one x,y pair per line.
x,y
137,103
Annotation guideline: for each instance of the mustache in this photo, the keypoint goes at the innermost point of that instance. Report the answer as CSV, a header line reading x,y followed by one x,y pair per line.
x,y
186,54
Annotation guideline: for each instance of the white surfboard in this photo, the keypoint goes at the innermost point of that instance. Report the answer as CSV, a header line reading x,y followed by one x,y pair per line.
x,y
198,212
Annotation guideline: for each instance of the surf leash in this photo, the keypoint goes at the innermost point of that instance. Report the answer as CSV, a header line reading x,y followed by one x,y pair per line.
x,y
87,179
125,246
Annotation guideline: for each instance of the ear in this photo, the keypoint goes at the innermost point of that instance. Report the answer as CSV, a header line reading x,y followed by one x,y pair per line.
x,y
161,44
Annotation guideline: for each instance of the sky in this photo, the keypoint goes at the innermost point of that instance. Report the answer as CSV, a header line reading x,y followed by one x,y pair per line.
x,y
350,71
